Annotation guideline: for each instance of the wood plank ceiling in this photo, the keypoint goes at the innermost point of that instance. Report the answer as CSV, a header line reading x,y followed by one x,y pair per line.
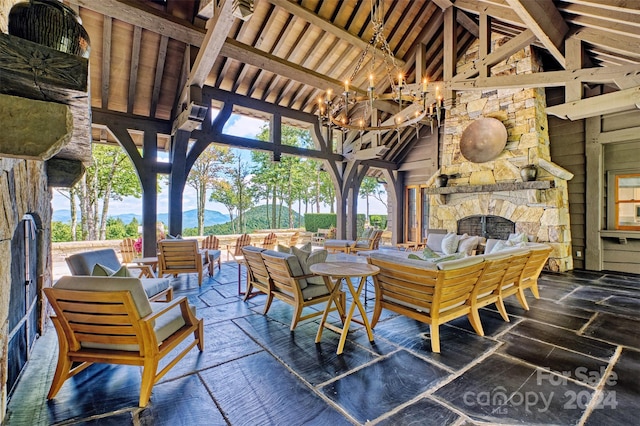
x,y
289,52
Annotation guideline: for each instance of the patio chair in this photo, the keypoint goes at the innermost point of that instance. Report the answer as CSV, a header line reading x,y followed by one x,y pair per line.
x,y
127,250
110,320
257,275
367,244
84,263
181,256
293,240
270,241
291,285
235,251
212,245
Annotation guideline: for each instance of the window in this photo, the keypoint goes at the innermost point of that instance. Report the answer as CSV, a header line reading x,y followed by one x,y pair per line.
x,y
417,214
627,201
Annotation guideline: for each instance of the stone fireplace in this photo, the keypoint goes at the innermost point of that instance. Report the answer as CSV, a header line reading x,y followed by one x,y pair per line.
x,y
495,188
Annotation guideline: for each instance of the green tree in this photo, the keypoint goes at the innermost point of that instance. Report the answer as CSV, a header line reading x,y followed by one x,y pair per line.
x,y
369,187
60,232
210,164
111,176
116,230
132,228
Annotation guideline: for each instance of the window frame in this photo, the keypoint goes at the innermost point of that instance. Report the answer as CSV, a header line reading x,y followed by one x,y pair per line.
x,y
613,203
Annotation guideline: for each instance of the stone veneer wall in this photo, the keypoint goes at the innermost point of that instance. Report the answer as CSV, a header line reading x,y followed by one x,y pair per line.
x,y
23,189
542,213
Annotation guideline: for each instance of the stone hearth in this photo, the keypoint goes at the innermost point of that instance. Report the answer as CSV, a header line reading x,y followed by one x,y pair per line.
x,y
495,187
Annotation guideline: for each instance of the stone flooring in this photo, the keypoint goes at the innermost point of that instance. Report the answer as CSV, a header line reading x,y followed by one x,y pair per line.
x,y
574,358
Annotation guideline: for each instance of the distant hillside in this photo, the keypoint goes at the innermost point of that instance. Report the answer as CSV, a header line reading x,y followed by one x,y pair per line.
x,y
189,218
256,218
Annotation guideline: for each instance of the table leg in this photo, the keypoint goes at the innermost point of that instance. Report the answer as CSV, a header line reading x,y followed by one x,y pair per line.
x,y
335,293
356,303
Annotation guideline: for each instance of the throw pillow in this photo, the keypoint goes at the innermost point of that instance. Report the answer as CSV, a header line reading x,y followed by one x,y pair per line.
x,y
501,245
103,271
518,238
415,256
306,247
366,234
449,257
450,243
283,249
429,254
308,258
467,245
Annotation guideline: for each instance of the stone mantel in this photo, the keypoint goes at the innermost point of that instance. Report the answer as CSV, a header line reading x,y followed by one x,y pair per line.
x,y
497,187
40,84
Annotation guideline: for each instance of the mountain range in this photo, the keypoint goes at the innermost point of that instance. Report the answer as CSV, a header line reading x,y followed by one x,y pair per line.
x,y
189,217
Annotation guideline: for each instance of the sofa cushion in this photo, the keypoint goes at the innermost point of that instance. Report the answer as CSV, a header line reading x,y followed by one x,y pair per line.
x,y
434,242
308,258
83,263
450,243
88,283
153,286
518,238
338,243
415,263
428,253
459,263
293,262
100,270
213,254
467,245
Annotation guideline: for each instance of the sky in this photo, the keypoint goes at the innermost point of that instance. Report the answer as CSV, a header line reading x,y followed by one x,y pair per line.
x,y
237,125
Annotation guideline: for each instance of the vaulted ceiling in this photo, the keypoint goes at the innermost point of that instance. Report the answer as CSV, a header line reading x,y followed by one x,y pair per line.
x,y
288,53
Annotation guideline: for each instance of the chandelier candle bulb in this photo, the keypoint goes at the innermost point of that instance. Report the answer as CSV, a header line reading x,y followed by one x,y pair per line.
x,y
346,85
424,85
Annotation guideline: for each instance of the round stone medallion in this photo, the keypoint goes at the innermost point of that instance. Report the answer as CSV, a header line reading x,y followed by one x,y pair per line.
x,y
483,140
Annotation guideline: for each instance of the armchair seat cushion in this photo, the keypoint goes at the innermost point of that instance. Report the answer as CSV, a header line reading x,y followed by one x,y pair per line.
x,y
214,255
338,243
314,290
152,286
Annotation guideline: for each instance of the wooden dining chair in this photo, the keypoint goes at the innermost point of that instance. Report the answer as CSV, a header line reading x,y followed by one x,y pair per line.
x,y
181,256
257,275
110,320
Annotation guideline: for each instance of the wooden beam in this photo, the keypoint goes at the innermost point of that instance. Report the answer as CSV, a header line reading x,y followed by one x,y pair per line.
x,y
622,135
217,30
133,72
106,60
514,45
617,43
157,82
594,185
599,105
443,4
543,18
602,75
113,119
468,23
502,12
450,52
485,44
573,54
260,59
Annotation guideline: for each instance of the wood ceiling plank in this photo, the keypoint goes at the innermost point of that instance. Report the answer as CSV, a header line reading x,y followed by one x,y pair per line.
x,y
326,25
620,16
617,43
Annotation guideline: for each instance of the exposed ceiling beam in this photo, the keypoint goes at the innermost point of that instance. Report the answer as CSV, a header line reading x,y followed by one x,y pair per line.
x,y
602,75
617,43
502,12
106,60
157,82
598,105
547,24
133,71
509,48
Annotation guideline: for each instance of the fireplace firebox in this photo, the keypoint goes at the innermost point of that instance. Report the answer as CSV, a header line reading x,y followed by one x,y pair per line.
x,y
487,226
